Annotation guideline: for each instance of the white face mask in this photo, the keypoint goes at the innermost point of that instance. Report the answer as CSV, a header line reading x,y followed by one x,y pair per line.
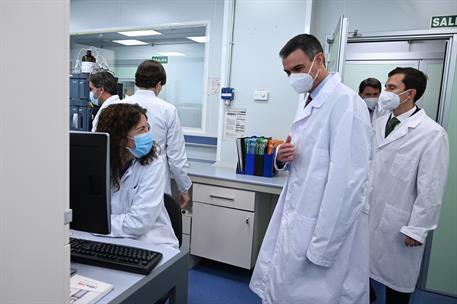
x,y
371,102
302,82
389,101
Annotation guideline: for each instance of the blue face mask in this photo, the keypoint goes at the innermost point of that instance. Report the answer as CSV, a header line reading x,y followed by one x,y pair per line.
x,y
143,144
93,99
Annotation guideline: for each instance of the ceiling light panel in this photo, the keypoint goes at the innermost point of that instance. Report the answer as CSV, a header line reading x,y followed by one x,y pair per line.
x,y
140,33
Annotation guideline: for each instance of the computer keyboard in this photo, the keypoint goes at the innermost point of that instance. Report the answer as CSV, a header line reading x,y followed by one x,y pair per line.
x,y
114,256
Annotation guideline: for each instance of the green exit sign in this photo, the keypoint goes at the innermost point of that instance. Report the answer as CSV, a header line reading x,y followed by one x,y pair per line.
x,y
444,21
161,59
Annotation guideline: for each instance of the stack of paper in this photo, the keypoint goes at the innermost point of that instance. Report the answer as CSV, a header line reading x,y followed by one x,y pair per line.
x,y
84,290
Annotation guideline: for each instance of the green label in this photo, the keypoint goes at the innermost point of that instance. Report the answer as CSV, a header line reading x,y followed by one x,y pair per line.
x,y
444,21
161,59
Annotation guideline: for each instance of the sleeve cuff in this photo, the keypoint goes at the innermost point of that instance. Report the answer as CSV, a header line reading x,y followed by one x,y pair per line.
x,y
410,231
116,225
319,261
184,186
276,164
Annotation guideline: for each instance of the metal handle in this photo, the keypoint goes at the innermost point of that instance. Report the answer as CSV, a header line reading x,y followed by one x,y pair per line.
x,y
75,121
221,197
247,221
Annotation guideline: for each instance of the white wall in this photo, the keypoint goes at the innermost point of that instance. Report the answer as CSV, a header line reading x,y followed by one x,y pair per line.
x,y
34,263
111,14
261,30
378,16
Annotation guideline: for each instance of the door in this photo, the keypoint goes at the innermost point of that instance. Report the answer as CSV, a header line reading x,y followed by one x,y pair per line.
x,y
336,46
433,68
222,234
377,58
357,70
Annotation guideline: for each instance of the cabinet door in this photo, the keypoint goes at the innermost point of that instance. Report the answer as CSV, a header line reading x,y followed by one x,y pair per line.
x,y
222,234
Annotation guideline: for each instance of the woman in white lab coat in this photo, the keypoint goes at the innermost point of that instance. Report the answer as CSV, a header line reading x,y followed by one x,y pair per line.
x,y
137,174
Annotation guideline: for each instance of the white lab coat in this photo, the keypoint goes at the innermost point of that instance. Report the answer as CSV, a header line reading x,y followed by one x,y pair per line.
x,y
105,104
316,246
167,132
409,175
137,208
377,112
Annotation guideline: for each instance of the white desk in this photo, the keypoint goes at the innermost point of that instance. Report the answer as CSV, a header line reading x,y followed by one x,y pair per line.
x,y
170,273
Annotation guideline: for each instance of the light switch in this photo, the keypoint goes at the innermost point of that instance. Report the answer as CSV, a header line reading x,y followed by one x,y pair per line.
x,y
261,94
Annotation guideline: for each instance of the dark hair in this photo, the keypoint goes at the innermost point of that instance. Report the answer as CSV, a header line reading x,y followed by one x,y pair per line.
x,y
117,120
307,43
414,79
370,82
105,80
149,74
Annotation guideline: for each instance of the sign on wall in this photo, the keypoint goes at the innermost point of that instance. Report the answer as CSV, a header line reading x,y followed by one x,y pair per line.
x,y
161,59
444,21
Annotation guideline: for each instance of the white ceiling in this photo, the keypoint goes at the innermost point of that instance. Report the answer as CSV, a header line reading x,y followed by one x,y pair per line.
x,y
169,36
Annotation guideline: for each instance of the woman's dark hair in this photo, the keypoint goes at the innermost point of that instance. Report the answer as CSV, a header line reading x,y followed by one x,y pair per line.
x,y
149,74
117,120
370,82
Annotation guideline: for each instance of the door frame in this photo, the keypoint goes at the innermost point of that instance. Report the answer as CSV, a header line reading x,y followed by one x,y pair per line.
x,y
450,58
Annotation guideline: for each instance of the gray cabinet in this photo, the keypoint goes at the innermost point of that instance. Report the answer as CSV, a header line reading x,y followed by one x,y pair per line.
x,y
228,224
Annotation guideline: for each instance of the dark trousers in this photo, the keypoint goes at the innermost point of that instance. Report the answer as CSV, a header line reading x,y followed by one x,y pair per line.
x,y
392,296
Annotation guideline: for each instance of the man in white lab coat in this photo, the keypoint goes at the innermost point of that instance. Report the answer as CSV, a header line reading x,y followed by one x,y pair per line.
x,y
369,90
165,125
411,156
103,92
316,246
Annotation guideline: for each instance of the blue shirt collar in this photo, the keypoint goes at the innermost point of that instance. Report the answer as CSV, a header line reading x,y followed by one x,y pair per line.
x,y
317,89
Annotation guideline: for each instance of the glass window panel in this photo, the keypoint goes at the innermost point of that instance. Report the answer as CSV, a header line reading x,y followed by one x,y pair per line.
x,y
183,60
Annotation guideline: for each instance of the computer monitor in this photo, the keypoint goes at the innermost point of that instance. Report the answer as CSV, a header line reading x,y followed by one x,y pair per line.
x,y
90,182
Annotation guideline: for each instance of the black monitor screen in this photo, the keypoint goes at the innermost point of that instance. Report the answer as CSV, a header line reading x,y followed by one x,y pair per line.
x,y
90,192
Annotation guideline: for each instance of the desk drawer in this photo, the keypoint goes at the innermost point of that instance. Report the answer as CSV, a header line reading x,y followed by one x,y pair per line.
x,y
226,197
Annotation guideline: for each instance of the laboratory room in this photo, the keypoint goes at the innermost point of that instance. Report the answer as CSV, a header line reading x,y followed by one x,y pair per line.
x,y
228,151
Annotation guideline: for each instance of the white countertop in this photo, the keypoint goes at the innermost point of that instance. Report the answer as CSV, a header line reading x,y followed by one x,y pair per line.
x,y
209,170
121,280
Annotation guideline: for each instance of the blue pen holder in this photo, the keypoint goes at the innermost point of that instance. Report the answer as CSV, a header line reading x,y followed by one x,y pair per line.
x,y
250,161
268,167
259,165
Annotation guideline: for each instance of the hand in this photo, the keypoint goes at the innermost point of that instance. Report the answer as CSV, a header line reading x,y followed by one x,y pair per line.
x,y
286,151
410,242
183,199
